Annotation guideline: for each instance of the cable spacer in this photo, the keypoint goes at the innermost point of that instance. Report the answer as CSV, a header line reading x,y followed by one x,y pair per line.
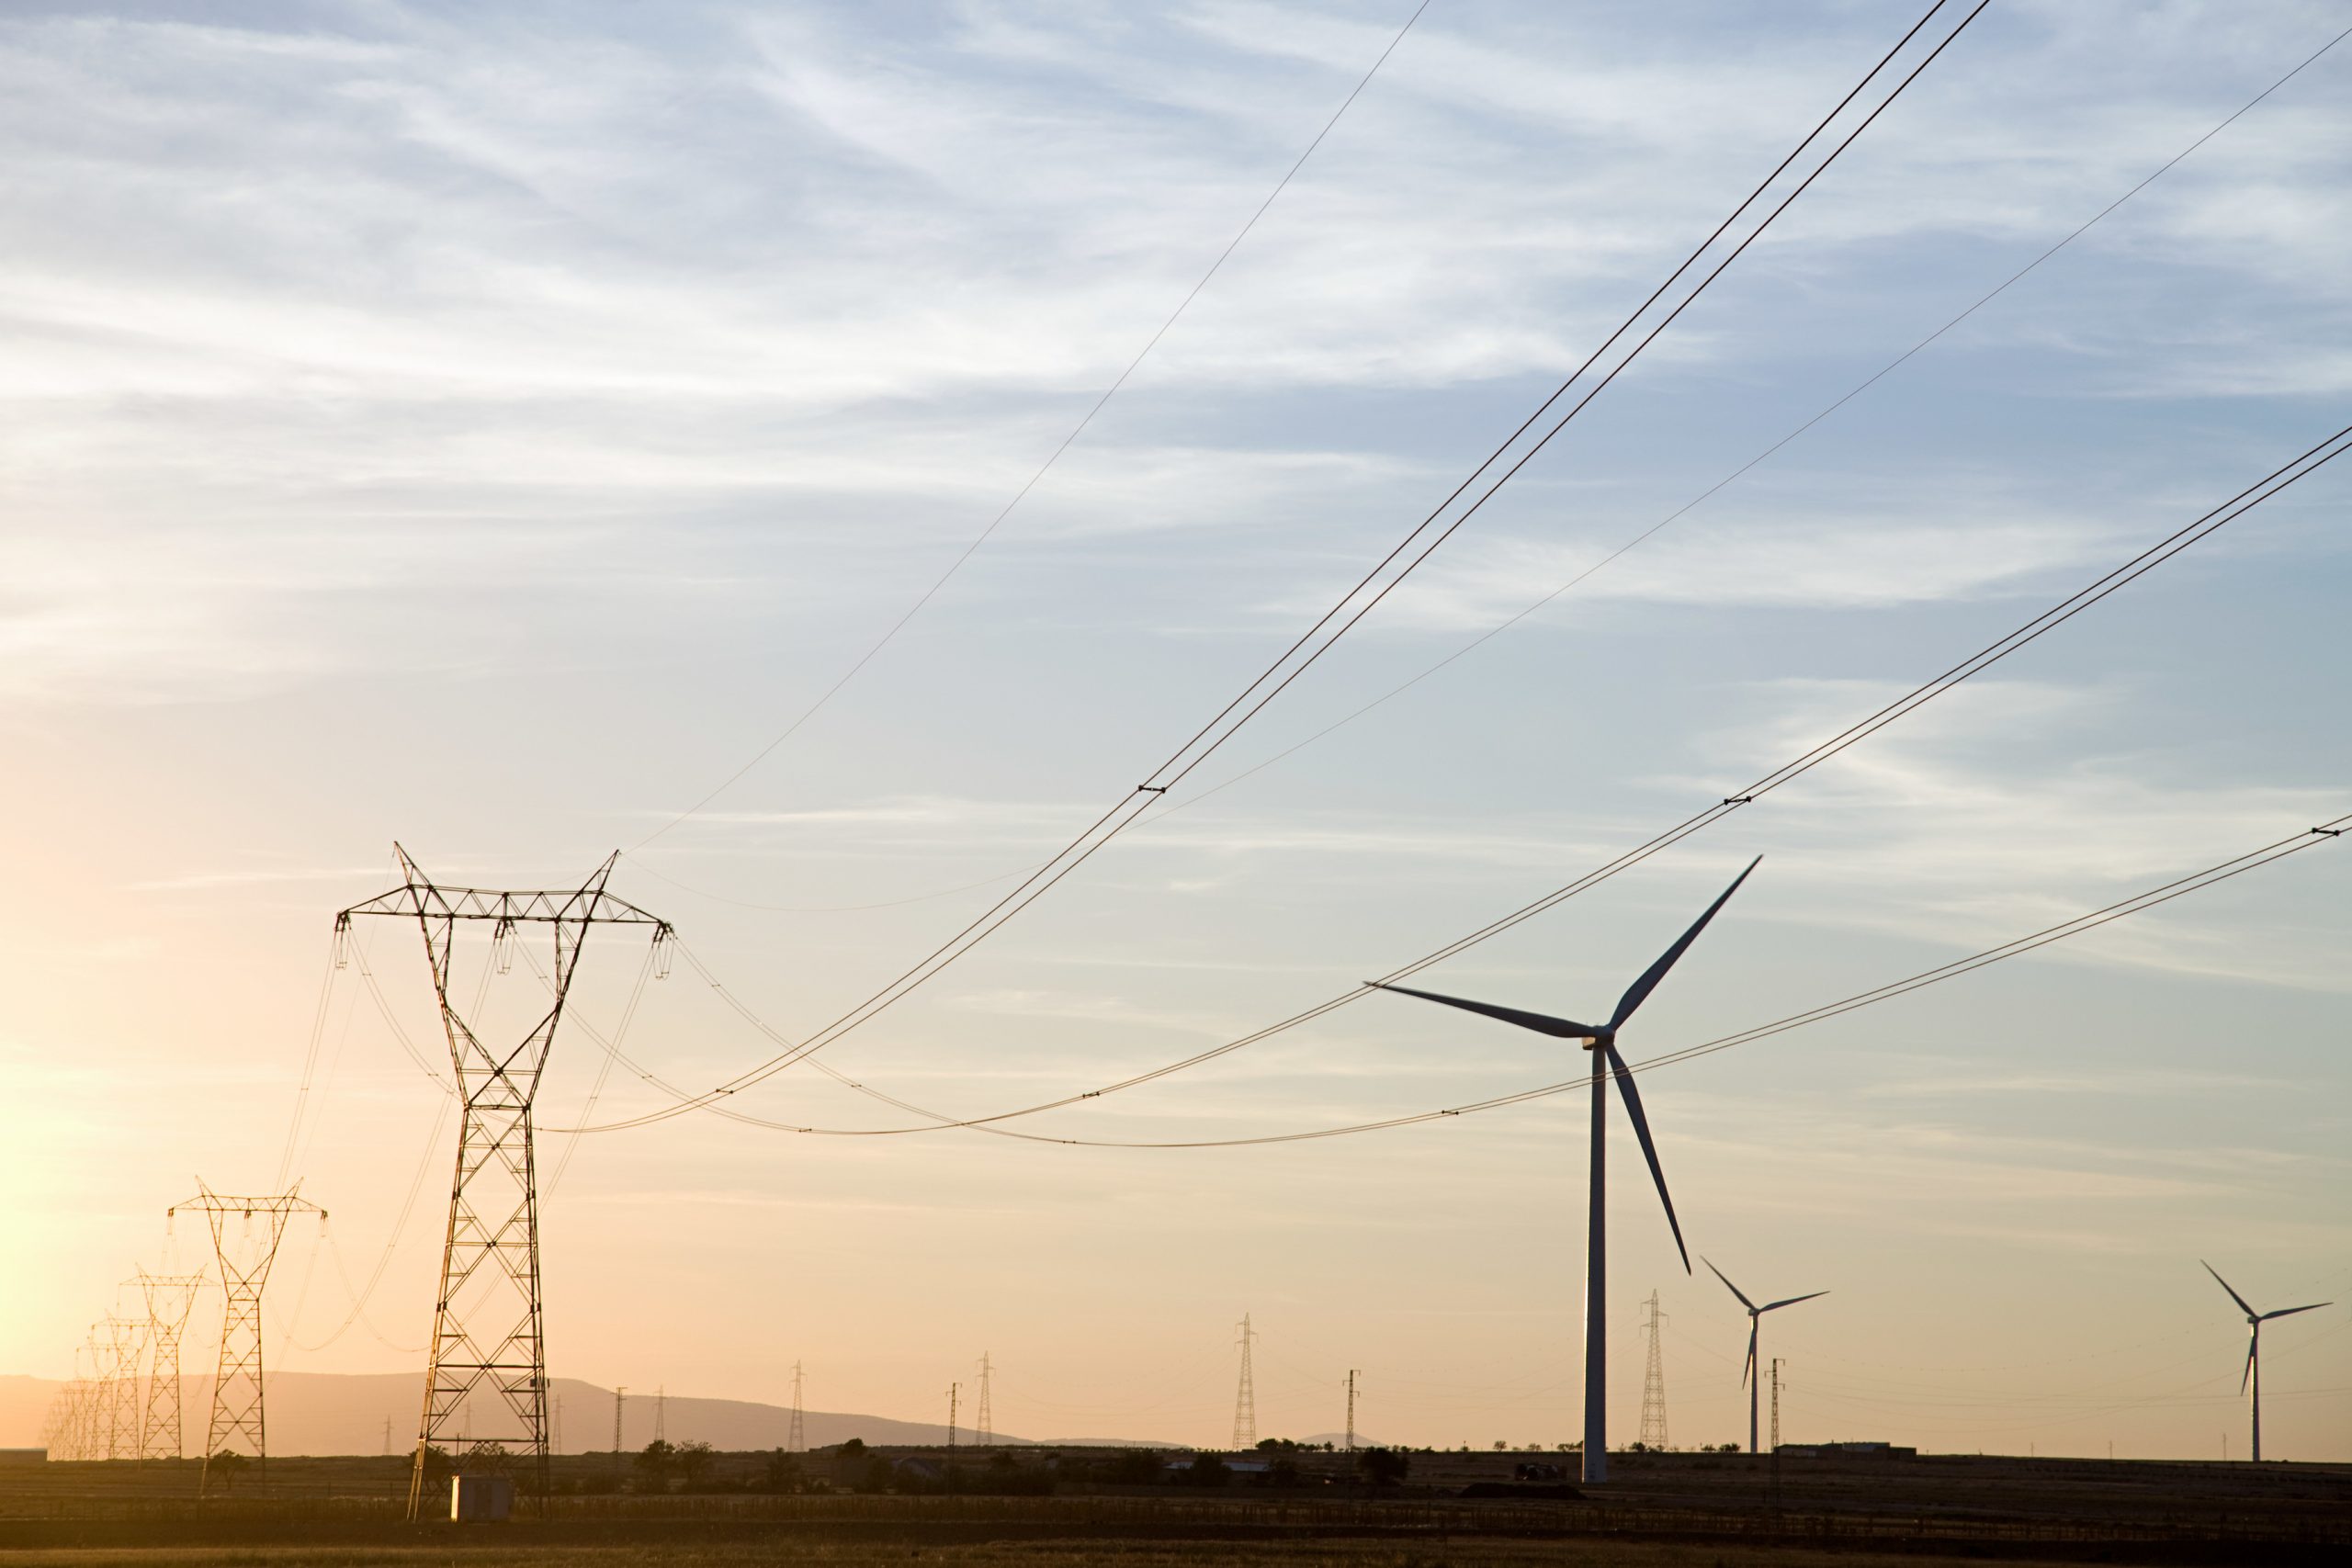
x,y
1739,800
2331,832
1152,789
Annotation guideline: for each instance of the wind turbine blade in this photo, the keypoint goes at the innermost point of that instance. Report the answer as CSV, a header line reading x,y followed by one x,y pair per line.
x,y
1543,1023
1749,1366
1791,1301
1734,1290
2290,1311
2253,1341
1649,1150
1639,992
2225,1285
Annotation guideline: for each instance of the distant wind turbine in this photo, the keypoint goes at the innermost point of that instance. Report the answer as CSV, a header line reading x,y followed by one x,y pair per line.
x,y
1747,1373
2250,1379
1601,1041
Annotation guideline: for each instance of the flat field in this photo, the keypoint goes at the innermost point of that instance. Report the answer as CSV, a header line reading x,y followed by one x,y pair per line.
x,y
1660,1511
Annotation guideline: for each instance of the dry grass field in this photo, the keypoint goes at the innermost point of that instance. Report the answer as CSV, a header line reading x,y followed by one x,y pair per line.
x,y
1662,1511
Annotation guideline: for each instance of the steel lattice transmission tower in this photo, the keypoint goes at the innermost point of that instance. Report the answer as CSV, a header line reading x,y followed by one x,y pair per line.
x,y
169,1298
797,1441
1654,1380
237,1413
1245,1399
126,1350
983,1415
488,1325
98,1394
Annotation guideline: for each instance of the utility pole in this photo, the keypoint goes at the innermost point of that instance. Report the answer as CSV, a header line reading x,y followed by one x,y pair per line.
x,y
954,1391
797,1440
1245,1400
620,1398
489,1257
170,1298
1351,1410
1654,1380
237,1413
983,1416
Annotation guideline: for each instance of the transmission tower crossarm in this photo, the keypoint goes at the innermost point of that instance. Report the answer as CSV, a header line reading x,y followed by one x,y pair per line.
x,y
419,897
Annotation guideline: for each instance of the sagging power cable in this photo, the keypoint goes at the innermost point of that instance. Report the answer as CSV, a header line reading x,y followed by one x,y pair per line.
x,y
2202,527
928,594
1505,462
2310,838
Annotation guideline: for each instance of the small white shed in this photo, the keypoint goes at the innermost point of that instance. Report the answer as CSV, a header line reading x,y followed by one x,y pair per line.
x,y
481,1499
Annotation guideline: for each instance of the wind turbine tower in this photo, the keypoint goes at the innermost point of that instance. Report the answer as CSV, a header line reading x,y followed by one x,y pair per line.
x,y
1601,1041
2250,1379
1749,1373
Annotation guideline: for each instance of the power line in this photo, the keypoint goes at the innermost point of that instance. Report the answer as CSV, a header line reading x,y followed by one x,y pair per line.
x,y
2323,833
1711,491
1327,630
2204,526
1054,455
1983,300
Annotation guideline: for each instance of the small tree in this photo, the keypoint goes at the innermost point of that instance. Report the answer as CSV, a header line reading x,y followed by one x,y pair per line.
x,y
229,1463
781,1471
852,1448
1385,1467
1207,1470
693,1463
1136,1467
655,1462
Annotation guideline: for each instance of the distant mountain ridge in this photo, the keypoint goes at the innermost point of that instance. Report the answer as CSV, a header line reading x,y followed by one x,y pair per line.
x,y
337,1412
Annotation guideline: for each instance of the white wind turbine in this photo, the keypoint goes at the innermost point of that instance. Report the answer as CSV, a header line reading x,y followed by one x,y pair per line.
x,y
1601,1041
1748,1374
2250,1379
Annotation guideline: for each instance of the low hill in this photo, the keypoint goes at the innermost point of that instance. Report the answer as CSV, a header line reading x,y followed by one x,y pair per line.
x,y
327,1412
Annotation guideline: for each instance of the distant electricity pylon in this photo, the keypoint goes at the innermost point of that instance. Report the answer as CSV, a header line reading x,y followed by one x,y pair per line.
x,y
488,1325
1245,1399
796,1438
660,1413
237,1413
169,1298
80,1398
983,1416
620,1402
120,1408
954,1392
1653,1380
1351,1410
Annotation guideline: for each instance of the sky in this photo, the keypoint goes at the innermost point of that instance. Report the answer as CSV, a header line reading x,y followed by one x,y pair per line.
x,y
489,428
